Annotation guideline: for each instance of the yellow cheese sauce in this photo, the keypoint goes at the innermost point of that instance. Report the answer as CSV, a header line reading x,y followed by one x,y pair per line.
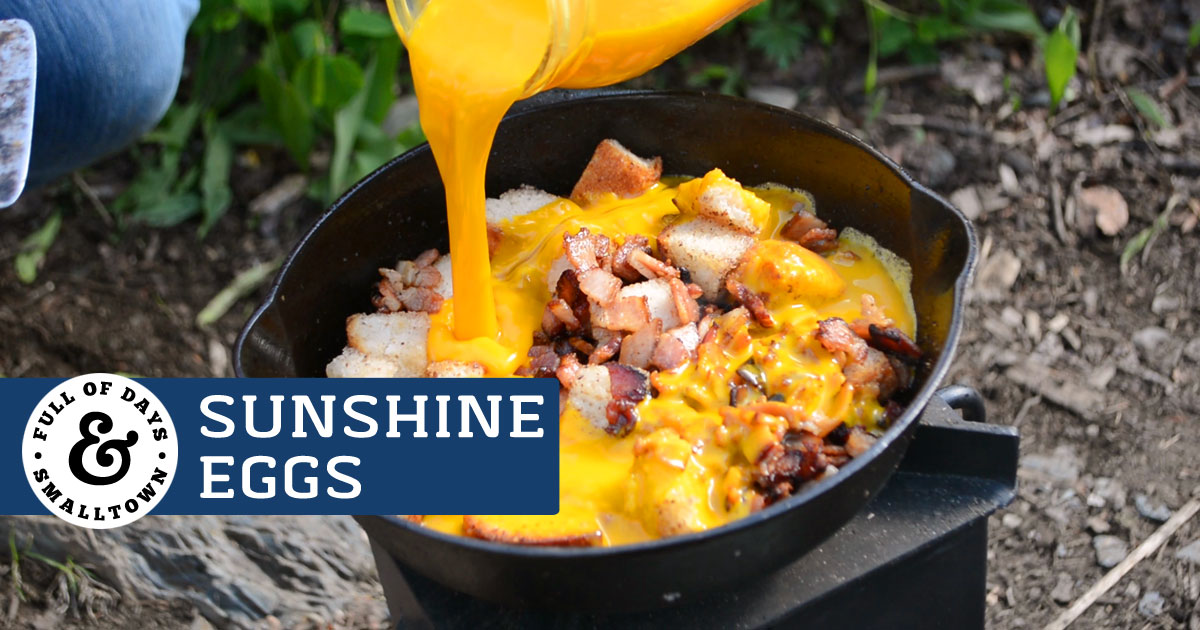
x,y
690,450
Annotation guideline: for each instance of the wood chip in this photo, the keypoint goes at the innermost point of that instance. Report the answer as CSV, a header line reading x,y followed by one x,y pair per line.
x,y
1057,388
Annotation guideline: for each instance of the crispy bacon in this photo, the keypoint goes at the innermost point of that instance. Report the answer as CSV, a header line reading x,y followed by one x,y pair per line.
x,y
421,299
629,313
783,466
427,258
651,267
810,232
670,353
752,301
561,313
858,442
568,370
621,266
599,285
543,361
608,343
569,292
638,347
410,286
835,335
629,386
871,314
685,305
894,342
587,251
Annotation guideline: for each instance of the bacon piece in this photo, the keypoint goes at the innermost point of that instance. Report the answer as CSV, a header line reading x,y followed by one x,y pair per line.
x,y
835,335
752,301
621,266
567,289
670,353
629,387
587,251
783,466
600,285
627,313
568,370
427,258
871,314
858,442
543,361
421,299
608,344
484,528
685,303
810,232
638,347
552,324
874,368
561,312
494,237
410,286
894,342
651,267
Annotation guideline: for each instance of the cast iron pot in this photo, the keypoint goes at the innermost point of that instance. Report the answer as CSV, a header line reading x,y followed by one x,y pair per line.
x,y
399,211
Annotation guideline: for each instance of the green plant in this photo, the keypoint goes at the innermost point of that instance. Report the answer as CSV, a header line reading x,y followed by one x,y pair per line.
x,y
299,75
1060,51
34,247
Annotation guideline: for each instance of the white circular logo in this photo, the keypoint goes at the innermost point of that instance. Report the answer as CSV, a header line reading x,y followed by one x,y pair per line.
x,y
100,451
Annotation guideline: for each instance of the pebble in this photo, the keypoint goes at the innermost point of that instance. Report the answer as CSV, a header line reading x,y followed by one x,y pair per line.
x,y
1110,550
1164,303
1152,510
1190,553
1192,350
1092,430
1150,339
932,160
1062,466
1098,525
1110,490
1063,589
1011,521
1152,604
968,200
776,95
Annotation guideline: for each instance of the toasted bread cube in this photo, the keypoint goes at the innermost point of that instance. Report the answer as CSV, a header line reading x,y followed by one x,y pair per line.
x,y
722,199
517,202
708,250
658,299
616,170
353,364
399,337
445,288
568,528
454,369
591,394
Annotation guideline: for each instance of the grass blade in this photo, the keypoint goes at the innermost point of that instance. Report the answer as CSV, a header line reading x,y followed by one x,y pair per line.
x,y
240,287
34,248
1148,107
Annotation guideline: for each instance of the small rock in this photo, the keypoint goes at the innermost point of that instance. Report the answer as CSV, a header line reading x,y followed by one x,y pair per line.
x,y
776,95
1058,322
1062,466
1019,161
1098,525
982,80
1063,589
1100,377
1092,430
1011,521
1110,490
1008,181
1190,553
1096,501
1108,134
998,275
1152,510
1110,550
934,161
1152,604
1033,325
1110,208
1192,350
967,199
1151,340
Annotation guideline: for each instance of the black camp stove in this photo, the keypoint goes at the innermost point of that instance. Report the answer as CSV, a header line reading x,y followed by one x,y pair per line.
x,y
915,557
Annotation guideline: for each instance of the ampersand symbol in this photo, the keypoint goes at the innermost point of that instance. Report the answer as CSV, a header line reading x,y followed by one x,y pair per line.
x,y
104,456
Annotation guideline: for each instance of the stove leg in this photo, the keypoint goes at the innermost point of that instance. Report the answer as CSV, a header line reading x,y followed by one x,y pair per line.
x,y
939,587
406,611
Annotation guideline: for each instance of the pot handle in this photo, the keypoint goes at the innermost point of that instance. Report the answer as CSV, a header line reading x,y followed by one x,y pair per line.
x,y
965,399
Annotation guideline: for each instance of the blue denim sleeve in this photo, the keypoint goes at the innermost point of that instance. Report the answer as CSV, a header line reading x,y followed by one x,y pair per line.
x,y
107,71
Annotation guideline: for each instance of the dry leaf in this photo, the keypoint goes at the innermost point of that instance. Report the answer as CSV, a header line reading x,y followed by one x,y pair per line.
x,y
1112,212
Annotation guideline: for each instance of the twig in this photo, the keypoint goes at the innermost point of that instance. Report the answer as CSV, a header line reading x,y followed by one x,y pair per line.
x,y
1093,35
1056,208
1110,579
92,198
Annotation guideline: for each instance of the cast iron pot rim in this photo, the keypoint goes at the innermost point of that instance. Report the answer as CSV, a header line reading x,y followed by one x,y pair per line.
x,y
893,433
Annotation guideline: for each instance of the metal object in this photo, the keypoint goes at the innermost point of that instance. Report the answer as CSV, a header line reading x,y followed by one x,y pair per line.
x,y
18,84
915,557
399,211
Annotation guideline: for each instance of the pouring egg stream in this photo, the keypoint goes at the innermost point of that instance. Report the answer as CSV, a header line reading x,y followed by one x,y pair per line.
x,y
718,346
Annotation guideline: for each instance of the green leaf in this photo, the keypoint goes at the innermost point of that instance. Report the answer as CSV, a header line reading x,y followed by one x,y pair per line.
x,y
168,212
214,182
894,36
1194,35
1142,239
1005,15
779,40
1061,52
176,126
247,125
309,38
328,82
1148,107
381,79
34,248
288,113
257,10
355,21
288,8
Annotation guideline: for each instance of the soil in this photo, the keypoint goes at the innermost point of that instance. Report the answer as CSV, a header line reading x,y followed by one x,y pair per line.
x,y
1099,367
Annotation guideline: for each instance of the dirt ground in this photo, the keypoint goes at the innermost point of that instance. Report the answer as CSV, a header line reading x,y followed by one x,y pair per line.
x,y
1098,367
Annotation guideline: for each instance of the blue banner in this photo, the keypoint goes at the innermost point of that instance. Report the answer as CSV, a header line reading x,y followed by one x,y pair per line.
x,y
103,449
